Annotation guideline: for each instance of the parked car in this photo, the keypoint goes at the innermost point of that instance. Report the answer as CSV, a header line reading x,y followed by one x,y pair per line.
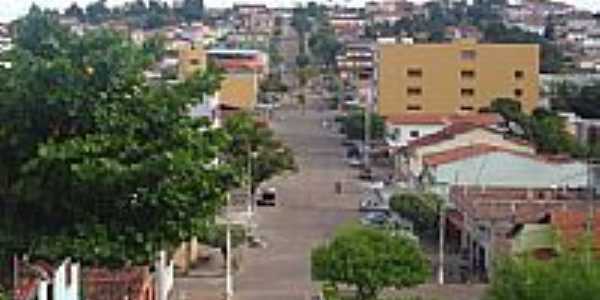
x,y
355,162
268,197
366,174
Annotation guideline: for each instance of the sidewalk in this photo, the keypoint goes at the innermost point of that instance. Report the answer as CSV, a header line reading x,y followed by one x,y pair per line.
x,y
206,281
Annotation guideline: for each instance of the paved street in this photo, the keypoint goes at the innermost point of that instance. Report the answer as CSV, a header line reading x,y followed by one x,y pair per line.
x,y
308,212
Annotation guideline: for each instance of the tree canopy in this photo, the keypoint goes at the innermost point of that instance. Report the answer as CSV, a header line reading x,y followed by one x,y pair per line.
x,y
369,260
544,128
421,209
107,168
252,143
354,126
569,276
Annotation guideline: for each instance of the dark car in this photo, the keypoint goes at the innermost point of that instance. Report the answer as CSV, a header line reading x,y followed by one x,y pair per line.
x,y
268,197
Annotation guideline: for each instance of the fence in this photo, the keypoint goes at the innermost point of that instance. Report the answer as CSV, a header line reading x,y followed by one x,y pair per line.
x,y
164,276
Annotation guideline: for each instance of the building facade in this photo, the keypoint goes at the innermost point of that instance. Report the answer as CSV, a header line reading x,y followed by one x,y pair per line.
x,y
459,77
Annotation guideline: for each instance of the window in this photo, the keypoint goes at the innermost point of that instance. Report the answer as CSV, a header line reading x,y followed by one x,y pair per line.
x,y
413,107
518,92
467,92
414,134
467,74
467,108
519,74
194,61
468,54
414,73
396,133
414,91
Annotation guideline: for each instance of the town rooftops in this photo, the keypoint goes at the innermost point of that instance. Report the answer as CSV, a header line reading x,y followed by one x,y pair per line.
x,y
466,152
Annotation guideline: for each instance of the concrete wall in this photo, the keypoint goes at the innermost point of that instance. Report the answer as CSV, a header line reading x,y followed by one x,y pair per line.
x,y
65,283
494,67
400,135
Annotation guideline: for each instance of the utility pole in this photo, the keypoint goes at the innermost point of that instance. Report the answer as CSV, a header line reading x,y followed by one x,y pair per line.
x,y
250,191
228,276
591,210
442,238
368,112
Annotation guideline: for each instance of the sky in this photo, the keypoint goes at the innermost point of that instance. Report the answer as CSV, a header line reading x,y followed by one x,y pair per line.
x,y
11,9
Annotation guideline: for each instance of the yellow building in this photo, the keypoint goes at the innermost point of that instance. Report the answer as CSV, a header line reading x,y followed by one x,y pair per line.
x,y
460,77
238,89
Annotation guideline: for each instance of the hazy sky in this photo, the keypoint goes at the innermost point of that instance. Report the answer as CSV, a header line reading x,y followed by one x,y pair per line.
x,y
14,8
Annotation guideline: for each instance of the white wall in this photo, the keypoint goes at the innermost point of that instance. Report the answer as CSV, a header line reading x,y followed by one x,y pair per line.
x,y
476,136
400,135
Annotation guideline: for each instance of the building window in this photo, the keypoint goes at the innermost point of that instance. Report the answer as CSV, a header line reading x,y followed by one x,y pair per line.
x,y
467,74
396,133
518,93
413,107
519,74
414,91
468,54
467,108
467,92
414,134
414,73
194,61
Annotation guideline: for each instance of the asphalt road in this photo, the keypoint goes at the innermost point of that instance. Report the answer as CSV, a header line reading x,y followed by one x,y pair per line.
x,y
307,214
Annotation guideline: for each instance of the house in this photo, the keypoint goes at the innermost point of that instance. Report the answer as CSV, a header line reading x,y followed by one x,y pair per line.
x,y
481,219
388,11
458,136
558,230
459,77
489,165
463,32
402,129
356,64
243,71
586,131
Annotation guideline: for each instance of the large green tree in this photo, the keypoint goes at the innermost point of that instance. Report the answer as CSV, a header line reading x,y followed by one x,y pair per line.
x,y
569,276
253,144
95,163
354,126
370,260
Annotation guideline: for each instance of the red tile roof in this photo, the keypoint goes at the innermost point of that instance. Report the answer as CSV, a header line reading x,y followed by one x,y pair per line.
x,y
572,224
482,119
447,133
456,154
470,151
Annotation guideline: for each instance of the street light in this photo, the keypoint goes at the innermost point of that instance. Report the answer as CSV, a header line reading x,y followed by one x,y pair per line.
x,y
252,155
228,276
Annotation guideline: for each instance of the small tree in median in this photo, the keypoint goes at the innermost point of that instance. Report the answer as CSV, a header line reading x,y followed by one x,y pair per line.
x,y
370,260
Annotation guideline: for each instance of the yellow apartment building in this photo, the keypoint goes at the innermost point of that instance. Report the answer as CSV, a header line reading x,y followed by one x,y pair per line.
x,y
459,77
238,89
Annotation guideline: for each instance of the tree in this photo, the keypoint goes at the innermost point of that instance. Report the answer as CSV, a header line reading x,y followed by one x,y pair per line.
x,y
107,168
545,129
586,101
569,276
248,136
551,57
191,10
421,209
75,11
354,126
40,33
370,260
324,46
97,12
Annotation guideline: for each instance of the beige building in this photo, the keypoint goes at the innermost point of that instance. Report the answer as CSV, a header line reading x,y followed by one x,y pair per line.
x,y
460,77
239,88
